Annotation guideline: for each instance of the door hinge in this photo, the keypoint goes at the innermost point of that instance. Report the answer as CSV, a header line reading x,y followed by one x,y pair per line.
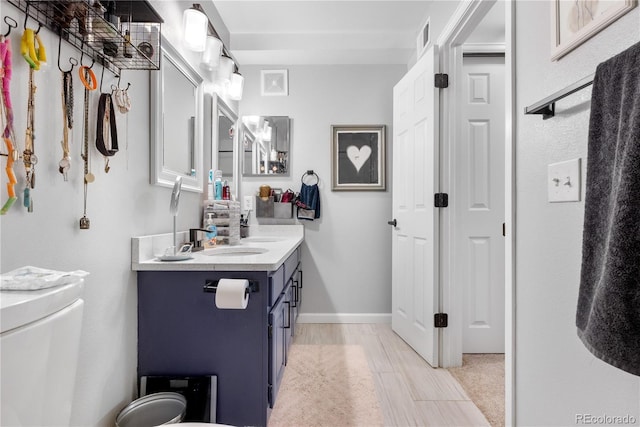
x,y
441,320
504,229
441,80
441,200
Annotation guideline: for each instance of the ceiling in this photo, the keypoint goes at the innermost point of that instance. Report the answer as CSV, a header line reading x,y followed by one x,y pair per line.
x,y
329,32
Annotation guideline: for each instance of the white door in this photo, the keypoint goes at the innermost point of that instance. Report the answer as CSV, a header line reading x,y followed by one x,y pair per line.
x,y
479,205
415,236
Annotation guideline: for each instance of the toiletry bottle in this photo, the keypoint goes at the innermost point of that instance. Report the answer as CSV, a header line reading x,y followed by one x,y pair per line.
x,y
226,191
218,185
210,193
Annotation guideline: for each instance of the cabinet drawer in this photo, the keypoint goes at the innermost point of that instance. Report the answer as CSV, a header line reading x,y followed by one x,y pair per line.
x,y
291,263
276,285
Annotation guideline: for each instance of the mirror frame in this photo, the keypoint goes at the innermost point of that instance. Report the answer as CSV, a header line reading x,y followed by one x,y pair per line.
x,y
245,130
221,107
160,175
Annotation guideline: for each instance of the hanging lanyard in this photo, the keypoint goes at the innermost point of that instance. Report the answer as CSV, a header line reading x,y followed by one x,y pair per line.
x,y
67,118
88,176
7,115
29,158
34,53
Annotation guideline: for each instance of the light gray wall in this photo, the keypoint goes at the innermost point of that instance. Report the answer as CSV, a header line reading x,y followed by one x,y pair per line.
x,y
121,204
556,377
347,252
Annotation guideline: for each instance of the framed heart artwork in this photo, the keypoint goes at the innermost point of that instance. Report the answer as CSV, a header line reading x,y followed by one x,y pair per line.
x,y
358,157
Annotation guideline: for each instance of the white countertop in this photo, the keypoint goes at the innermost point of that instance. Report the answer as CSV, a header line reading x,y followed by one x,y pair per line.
x,y
278,241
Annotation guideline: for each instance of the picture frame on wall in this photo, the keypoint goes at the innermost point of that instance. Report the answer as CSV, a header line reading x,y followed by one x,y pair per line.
x,y
358,158
274,82
575,21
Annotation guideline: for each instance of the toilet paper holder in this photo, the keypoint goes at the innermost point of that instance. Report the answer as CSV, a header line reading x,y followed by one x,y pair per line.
x,y
211,286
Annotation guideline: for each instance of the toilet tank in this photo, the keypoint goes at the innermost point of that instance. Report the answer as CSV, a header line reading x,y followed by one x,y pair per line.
x,y
39,341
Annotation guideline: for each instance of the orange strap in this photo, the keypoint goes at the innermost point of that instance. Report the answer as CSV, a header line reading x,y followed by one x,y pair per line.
x,y
92,78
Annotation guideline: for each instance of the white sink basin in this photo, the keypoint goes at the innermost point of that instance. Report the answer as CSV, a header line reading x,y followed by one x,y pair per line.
x,y
233,251
262,239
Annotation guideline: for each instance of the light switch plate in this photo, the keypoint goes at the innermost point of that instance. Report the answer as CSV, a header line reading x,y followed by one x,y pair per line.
x,y
248,203
563,181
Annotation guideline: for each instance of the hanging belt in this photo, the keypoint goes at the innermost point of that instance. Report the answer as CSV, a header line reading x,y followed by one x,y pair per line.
x,y
106,126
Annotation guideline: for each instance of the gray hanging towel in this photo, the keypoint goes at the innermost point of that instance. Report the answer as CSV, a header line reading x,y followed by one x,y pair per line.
x,y
608,314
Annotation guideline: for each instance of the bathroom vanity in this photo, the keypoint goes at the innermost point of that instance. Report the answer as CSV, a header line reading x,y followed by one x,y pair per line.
x,y
181,332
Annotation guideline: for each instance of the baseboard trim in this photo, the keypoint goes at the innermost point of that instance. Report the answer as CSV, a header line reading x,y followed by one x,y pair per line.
x,y
344,318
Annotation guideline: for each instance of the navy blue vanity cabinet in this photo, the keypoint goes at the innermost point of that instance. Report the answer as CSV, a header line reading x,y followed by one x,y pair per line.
x,y
279,332
282,318
182,333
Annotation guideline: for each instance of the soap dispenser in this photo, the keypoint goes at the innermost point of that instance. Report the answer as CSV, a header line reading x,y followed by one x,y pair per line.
x,y
212,231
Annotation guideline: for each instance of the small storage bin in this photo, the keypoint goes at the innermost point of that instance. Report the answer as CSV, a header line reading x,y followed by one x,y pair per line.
x,y
270,209
282,210
226,217
264,208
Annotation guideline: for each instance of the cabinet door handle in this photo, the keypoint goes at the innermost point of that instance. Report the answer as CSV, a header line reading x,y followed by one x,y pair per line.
x,y
300,279
296,295
288,314
393,223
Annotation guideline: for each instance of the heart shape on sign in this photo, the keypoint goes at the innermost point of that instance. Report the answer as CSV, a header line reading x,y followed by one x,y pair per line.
x,y
358,156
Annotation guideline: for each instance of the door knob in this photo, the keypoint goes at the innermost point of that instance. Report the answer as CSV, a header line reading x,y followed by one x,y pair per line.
x,y
394,222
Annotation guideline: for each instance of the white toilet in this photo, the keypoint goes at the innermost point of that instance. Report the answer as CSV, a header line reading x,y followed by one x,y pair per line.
x,y
39,340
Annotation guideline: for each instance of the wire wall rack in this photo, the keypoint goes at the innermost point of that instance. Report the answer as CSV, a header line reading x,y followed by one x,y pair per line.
x,y
119,35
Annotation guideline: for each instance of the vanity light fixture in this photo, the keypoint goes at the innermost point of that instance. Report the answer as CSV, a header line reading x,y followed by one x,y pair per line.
x,y
236,86
201,36
211,55
195,24
225,68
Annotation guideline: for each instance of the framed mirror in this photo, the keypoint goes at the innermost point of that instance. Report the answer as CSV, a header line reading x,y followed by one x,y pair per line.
x,y
176,96
225,131
266,145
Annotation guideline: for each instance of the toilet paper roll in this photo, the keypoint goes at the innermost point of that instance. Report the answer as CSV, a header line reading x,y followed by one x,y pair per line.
x,y
232,294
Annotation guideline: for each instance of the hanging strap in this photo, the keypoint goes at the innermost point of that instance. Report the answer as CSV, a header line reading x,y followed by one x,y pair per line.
x,y
67,88
106,125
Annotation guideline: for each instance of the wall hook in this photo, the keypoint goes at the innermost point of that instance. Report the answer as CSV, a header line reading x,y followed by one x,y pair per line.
x,y
26,16
11,23
72,60
93,61
102,78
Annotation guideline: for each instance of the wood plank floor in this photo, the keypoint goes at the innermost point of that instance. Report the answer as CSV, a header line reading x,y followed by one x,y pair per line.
x,y
410,392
